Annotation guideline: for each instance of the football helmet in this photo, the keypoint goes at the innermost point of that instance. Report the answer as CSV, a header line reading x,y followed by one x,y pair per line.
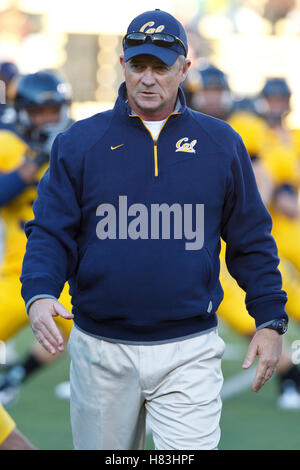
x,y
35,91
276,86
213,77
208,90
275,100
40,89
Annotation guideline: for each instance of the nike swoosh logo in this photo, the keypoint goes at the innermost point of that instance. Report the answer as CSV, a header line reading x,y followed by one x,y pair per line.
x,y
113,148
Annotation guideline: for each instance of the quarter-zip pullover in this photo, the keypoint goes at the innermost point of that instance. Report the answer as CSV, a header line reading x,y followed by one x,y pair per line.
x,y
134,225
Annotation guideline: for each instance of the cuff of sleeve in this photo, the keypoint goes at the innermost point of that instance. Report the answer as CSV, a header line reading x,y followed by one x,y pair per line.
x,y
268,311
37,297
38,286
265,325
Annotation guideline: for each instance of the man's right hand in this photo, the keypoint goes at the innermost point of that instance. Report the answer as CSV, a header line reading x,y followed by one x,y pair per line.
x,y
41,313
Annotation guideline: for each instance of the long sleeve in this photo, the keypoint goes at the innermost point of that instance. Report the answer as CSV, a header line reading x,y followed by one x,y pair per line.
x,y
11,185
51,252
251,252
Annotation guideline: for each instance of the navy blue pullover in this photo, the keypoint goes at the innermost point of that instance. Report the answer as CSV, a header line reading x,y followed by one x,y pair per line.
x,y
131,278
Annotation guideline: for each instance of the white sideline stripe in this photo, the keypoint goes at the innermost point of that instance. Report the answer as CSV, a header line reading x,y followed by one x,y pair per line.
x,y
238,383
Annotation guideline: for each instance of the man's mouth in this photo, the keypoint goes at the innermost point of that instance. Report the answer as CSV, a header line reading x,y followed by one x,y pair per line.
x,y
148,93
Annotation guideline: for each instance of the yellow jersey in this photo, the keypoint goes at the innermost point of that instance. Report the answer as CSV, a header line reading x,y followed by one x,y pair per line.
x,y
280,153
279,150
19,210
251,128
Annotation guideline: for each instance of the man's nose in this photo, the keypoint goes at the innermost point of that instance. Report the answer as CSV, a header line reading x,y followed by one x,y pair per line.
x,y
148,77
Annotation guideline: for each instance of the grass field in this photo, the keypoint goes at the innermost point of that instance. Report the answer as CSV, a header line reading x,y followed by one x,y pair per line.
x,y
249,420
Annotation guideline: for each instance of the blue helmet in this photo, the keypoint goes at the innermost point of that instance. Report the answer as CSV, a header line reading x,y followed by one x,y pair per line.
x,y
205,76
276,86
8,70
35,91
275,112
212,77
40,89
201,81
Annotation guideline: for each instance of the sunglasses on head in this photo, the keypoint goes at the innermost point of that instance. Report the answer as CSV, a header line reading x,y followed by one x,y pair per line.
x,y
158,39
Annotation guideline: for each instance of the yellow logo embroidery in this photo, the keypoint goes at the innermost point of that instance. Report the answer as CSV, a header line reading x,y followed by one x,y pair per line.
x,y
187,147
151,30
113,148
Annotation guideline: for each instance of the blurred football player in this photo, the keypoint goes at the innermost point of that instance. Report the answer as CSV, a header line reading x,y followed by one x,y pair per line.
x,y
275,101
209,92
42,103
10,437
207,89
278,150
281,153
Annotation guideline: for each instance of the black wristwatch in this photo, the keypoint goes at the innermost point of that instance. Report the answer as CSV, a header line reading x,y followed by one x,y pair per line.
x,y
280,326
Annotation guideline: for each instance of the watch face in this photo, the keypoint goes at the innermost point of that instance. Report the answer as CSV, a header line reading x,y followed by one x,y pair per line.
x,y
284,326
279,325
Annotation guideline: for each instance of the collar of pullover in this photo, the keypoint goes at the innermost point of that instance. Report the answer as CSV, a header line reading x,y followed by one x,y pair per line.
x,y
122,107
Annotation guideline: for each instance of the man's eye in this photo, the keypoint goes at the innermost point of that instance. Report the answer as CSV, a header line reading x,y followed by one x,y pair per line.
x,y
137,66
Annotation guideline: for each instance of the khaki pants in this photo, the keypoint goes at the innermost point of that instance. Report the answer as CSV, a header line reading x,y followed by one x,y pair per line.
x,y
114,386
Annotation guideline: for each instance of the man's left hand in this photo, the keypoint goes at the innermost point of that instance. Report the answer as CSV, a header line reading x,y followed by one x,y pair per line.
x,y
267,345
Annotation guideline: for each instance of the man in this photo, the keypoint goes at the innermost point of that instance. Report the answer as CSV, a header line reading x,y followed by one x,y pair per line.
x,y
145,292
10,437
41,102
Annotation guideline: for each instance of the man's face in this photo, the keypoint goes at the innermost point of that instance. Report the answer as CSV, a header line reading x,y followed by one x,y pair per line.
x,y
43,115
152,86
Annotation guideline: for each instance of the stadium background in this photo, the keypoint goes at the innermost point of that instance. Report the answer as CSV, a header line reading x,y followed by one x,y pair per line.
x,y
249,40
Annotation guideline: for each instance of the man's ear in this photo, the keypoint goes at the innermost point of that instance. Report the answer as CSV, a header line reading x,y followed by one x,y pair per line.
x,y
122,62
185,69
